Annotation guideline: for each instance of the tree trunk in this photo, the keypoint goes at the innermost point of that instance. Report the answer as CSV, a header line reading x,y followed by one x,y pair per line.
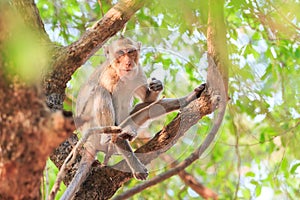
x,y
28,131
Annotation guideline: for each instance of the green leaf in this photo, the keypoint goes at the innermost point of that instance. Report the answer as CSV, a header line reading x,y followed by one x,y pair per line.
x,y
294,168
258,190
250,174
254,182
284,164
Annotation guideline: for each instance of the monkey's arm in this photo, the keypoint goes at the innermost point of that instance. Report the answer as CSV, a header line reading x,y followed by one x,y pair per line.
x,y
149,110
150,92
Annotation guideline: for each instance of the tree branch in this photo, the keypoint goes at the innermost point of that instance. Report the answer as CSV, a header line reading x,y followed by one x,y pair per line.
x,y
198,187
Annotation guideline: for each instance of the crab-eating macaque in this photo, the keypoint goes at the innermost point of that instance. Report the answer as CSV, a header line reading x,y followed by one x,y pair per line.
x,y
105,100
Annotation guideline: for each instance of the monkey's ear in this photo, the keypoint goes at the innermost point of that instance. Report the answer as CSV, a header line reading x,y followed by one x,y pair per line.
x,y
106,51
139,45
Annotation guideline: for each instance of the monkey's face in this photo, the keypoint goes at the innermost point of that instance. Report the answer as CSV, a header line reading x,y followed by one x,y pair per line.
x,y
123,54
126,61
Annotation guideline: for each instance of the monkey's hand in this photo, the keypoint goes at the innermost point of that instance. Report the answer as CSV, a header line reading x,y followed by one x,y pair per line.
x,y
156,85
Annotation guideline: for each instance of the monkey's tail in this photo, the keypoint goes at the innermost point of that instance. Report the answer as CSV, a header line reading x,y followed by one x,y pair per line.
x,y
80,176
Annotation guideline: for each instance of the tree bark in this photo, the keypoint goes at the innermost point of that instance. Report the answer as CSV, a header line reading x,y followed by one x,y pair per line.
x,y
28,131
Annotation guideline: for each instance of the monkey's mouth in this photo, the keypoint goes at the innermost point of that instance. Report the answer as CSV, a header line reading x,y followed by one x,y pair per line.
x,y
127,70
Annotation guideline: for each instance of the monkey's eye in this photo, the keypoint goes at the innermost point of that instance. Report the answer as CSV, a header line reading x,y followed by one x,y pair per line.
x,y
120,53
132,52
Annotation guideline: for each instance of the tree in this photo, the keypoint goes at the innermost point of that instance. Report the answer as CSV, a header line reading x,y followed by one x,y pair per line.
x,y
263,50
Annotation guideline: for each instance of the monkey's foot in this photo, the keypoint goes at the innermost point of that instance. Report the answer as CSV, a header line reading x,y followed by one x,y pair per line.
x,y
141,174
139,170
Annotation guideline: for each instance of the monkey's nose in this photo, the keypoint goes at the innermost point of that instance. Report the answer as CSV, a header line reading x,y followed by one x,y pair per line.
x,y
128,65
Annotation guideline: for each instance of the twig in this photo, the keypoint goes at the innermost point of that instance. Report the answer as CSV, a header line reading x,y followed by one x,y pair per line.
x,y
237,151
284,17
101,7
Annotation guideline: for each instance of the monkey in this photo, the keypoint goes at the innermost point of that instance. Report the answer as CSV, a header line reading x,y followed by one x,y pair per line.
x,y
105,101
117,82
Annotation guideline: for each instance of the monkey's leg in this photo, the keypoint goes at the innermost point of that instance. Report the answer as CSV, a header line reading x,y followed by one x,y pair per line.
x,y
97,130
80,176
139,171
72,156
109,152
110,149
